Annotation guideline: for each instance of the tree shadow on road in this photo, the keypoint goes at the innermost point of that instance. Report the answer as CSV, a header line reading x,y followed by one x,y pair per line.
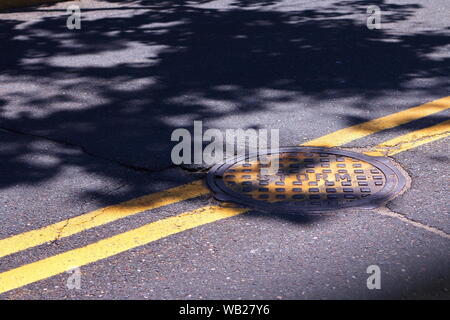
x,y
111,93
117,88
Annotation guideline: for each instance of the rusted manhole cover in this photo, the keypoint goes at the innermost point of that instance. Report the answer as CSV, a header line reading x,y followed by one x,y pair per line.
x,y
308,179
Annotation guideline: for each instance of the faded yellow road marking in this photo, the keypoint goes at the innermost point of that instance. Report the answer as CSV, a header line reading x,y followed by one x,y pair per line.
x,y
361,130
109,214
106,248
412,140
99,217
60,263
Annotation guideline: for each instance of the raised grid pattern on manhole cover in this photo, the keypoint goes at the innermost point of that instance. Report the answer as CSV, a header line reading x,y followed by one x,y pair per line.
x,y
308,178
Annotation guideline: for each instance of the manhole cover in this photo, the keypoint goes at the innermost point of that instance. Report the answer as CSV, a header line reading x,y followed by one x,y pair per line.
x,y
308,179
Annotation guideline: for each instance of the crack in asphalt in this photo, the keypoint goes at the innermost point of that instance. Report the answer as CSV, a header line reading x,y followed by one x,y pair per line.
x,y
58,235
389,212
386,211
60,231
87,152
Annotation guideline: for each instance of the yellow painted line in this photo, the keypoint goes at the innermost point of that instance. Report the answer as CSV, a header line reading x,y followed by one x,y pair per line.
x,y
411,140
108,247
60,263
361,130
99,217
109,214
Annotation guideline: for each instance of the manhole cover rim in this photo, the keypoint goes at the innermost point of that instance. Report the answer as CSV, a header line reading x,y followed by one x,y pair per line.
x,y
395,182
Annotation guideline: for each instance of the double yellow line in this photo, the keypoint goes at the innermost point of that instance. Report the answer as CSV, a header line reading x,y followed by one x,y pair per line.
x,y
108,247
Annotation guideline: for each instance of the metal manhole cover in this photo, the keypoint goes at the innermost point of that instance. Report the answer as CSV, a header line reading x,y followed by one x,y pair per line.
x,y
308,179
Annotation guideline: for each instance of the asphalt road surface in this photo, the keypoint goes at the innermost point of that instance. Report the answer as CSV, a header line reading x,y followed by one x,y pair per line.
x,y
86,118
